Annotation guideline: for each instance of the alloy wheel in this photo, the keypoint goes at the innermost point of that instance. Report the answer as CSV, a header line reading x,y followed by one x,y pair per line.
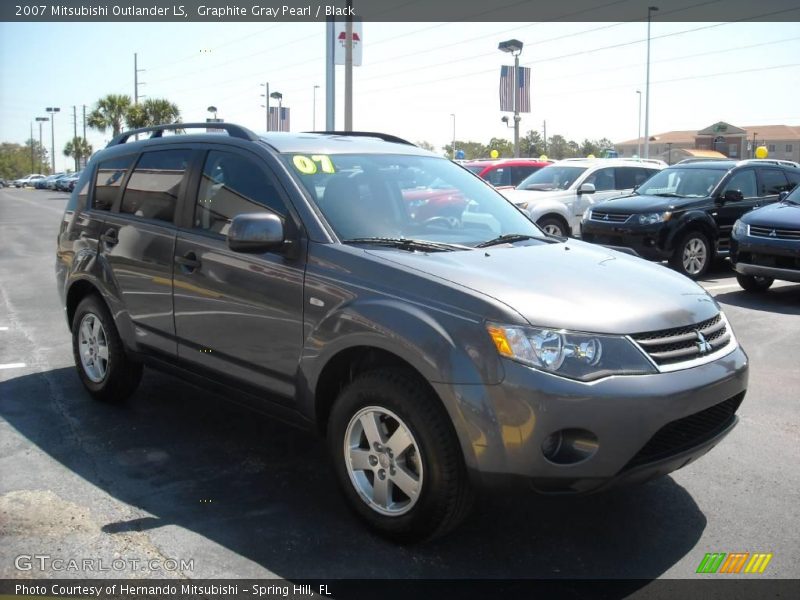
x,y
93,348
695,255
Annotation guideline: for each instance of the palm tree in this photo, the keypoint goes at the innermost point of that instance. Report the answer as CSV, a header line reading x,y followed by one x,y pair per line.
x,y
78,148
161,111
110,112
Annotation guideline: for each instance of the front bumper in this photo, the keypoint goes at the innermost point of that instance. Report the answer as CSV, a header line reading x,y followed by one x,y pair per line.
x,y
644,426
765,257
645,241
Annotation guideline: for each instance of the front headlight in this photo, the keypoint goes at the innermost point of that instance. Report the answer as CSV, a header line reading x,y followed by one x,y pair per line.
x,y
587,215
582,356
740,230
652,218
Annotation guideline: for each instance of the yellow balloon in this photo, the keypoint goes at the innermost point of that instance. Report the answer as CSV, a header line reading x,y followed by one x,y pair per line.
x,y
543,157
494,154
762,152
590,156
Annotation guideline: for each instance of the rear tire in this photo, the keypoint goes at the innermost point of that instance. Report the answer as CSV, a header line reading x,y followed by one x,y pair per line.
x,y
103,366
693,255
754,283
412,485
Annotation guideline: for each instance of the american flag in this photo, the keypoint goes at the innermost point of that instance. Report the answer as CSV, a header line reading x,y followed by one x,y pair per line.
x,y
277,123
508,85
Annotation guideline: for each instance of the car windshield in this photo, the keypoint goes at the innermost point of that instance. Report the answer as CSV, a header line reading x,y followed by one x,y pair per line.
x,y
403,197
682,182
552,177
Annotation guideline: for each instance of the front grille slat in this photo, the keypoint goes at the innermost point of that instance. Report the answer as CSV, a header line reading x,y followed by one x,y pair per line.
x,y
609,217
683,434
683,344
777,234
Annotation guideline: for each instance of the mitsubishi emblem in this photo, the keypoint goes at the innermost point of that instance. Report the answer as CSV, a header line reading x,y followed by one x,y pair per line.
x,y
772,233
703,347
606,217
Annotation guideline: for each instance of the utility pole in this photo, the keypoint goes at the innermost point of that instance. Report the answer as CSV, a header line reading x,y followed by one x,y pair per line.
x,y
330,75
136,82
84,121
31,146
53,110
75,134
314,109
348,71
41,120
650,11
544,128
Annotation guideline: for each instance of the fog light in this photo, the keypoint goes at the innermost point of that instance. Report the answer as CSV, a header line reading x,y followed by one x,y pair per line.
x,y
570,446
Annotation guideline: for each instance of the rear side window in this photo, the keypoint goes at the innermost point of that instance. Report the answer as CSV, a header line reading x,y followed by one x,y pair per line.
x,y
233,184
499,176
520,173
152,190
108,181
794,178
602,179
630,177
744,182
773,182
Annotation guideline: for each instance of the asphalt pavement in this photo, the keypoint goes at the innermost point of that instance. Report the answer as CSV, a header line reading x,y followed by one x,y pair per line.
x,y
179,474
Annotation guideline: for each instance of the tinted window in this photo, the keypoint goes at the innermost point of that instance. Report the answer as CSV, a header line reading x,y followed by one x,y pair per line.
x,y
499,176
552,177
520,173
152,189
685,182
629,177
603,180
108,180
773,182
233,185
794,178
744,182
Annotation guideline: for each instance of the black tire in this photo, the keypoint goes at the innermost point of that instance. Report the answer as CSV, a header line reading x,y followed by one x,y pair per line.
x,y
121,375
552,224
752,283
445,495
690,241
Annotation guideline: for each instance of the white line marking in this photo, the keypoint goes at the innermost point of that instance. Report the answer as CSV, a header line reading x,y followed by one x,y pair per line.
x,y
12,366
3,328
736,285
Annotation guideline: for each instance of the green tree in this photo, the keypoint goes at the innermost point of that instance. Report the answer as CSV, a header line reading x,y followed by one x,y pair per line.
x,y
15,159
531,145
504,147
557,147
471,149
426,146
78,148
160,111
109,113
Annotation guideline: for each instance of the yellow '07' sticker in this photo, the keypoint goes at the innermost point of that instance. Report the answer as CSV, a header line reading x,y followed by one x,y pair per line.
x,y
308,165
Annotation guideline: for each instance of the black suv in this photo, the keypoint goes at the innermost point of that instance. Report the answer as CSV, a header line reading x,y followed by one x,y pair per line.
x,y
397,304
685,213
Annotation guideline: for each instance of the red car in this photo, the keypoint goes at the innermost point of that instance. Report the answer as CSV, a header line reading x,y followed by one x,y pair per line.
x,y
505,172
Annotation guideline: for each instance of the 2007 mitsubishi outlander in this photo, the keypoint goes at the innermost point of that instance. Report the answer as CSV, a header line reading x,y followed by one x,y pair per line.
x,y
358,285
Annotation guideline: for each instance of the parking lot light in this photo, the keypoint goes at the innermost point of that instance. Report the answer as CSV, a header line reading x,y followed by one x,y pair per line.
x,y
53,110
514,47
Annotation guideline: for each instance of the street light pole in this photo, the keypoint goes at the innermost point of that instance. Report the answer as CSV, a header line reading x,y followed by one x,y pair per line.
x,y
639,128
514,47
650,11
754,144
314,110
53,110
454,135
266,104
41,120
32,147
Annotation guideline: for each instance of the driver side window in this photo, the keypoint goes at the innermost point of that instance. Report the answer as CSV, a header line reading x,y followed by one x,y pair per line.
x,y
744,182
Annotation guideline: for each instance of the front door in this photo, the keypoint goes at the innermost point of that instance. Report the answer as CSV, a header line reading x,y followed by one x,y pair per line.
x,y
238,314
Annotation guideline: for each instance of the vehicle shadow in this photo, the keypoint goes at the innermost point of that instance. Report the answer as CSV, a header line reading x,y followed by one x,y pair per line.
x,y
784,299
265,491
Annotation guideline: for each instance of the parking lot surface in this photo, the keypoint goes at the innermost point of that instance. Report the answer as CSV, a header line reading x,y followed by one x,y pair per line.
x,y
178,474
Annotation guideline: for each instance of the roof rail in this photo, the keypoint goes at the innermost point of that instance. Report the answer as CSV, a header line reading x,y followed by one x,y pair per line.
x,y
381,136
156,131
770,161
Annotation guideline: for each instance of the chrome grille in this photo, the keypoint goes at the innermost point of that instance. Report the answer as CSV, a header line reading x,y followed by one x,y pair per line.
x,y
776,234
682,344
608,217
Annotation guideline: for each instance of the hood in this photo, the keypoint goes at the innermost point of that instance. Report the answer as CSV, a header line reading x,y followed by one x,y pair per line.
x,y
531,196
571,285
642,203
781,215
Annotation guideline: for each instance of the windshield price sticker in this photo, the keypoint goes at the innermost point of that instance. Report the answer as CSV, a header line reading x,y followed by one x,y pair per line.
x,y
308,165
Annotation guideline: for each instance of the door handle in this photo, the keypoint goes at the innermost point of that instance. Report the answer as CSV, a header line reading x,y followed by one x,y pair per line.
x,y
188,261
110,237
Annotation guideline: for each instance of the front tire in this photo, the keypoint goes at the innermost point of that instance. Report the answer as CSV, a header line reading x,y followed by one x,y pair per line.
x,y
397,457
553,226
693,255
754,283
103,366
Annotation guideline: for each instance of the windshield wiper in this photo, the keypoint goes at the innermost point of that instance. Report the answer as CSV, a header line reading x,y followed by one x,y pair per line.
x,y
668,195
507,239
407,244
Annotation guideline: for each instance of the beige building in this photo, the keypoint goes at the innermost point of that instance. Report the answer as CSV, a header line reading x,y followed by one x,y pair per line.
x,y
781,141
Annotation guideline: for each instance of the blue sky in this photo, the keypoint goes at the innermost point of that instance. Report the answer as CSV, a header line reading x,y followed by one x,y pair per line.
x,y
414,75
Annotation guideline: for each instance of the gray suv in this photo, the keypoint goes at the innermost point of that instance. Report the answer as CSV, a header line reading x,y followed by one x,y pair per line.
x,y
390,300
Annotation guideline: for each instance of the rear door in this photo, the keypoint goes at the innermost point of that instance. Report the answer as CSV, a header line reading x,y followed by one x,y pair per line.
x,y
725,215
138,243
236,314
771,182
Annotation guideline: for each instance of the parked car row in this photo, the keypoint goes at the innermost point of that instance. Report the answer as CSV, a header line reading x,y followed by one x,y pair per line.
x,y
688,214
64,182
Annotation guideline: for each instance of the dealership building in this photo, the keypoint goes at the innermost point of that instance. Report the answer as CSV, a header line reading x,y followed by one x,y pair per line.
x,y
719,140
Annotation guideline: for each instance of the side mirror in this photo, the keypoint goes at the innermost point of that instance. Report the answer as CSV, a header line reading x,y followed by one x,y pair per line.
x,y
586,188
732,196
256,233
782,196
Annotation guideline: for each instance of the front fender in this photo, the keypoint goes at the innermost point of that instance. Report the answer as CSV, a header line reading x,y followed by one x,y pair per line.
x,y
692,220
548,207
